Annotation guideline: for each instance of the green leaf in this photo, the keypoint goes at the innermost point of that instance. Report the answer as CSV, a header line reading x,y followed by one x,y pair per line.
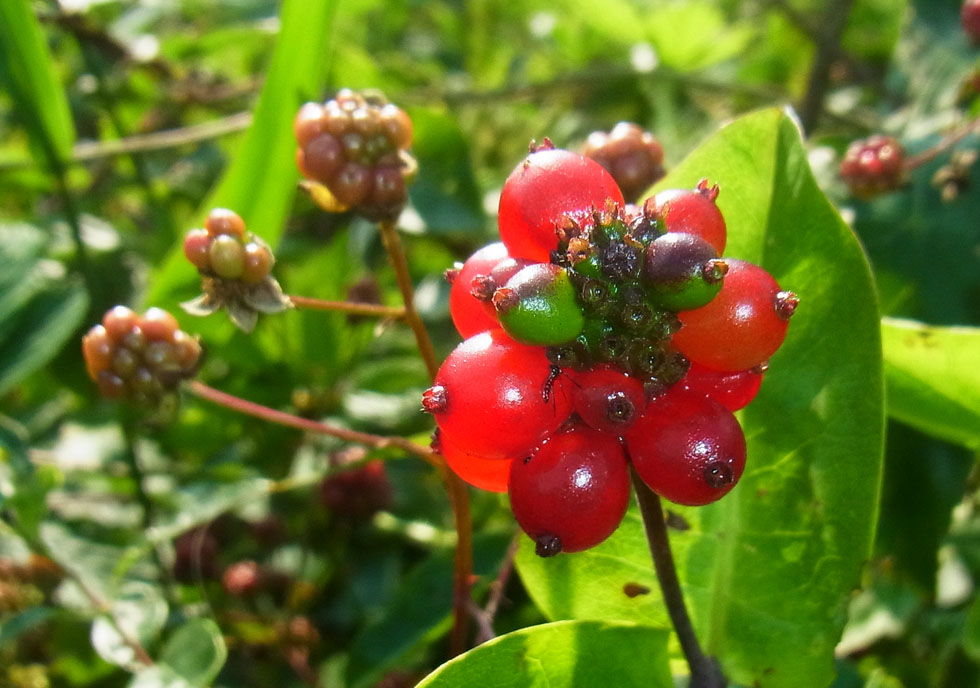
x,y
768,570
563,653
27,72
141,612
260,181
38,331
932,378
419,612
26,489
196,652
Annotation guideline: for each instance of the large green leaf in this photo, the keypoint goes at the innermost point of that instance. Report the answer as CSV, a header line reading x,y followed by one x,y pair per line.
x,y
932,378
563,653
768,570
27,71
260,181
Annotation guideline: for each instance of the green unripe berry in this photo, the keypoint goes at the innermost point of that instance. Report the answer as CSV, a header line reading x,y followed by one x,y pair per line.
x,y
539,306
682,271
227,256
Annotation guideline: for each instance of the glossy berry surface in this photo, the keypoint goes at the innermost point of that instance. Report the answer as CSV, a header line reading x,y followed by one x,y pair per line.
x,y
733,390
486,474
687,448
693,211
634,158
355,147
743,326
497,398
472,315
572,493
682,271
872,166
606,399
539,305
544,186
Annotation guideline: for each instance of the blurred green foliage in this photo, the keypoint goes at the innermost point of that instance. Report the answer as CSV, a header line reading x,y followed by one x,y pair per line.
x,y
123,123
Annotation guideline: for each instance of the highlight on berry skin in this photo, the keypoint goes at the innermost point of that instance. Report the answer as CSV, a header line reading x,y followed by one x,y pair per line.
x,y
142,358
236,270
353,154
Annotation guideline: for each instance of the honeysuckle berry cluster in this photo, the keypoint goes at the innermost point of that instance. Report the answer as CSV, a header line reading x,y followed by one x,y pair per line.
x,y
141,358
633,157
235,267
873,166
353,150
600,335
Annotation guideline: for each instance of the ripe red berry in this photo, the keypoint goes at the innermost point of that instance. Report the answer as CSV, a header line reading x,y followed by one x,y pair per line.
x,y
606,398
225,221
742,326
687,448
733,390
197,246
872,166
693,211
546,185
486,474
496,398
472,315
572,493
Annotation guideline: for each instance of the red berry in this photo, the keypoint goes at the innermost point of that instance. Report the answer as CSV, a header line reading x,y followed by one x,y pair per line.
x,y
470,314
197,245
258,262
159,325
733,390
97,349
742,326
687,448
310,122
486,474
572,493
872,166
693,211
225,221
970,20
606,398
358,493
322,158
632,156
544,186
118,322
496,398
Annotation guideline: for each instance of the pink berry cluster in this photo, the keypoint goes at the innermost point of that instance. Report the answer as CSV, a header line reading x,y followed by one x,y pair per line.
x,y
355,146
139,357
633,157
600,336
224,249
873,166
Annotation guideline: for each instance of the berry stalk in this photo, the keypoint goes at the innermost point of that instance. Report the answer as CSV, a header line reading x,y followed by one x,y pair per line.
x,y
459,497
705,672
349,307
271,415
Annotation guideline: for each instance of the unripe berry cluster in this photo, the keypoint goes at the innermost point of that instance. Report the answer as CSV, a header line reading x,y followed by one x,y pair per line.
x,y
140,357
224,249
633,157
873,165
356,147
597,337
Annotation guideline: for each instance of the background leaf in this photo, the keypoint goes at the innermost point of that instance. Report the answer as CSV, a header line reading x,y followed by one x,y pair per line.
x,y
579,654
933,379
27,70
785,548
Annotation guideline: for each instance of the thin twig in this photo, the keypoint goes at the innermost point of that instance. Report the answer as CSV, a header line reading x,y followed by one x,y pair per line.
x,y
954,137
282,418
828,48
705,672
459,496
484,617
349,307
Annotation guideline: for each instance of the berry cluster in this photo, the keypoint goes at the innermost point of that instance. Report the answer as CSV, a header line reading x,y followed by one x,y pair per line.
x,y
633,157
355,147
873,165
970,20
142,358
598,336
221,248
235,267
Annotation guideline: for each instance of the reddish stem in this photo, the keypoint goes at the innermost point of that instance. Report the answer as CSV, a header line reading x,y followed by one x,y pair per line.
x,y
350,307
